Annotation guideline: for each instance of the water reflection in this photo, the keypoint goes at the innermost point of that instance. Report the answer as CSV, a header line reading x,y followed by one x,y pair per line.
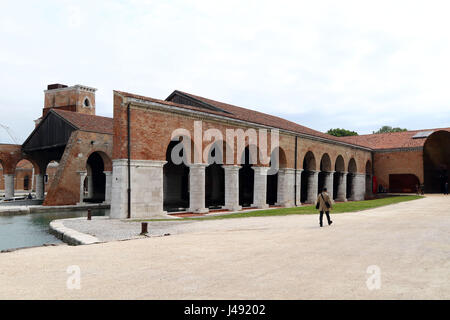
x,y
33,229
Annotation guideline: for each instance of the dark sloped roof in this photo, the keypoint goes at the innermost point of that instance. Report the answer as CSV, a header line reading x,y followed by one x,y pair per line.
x,y
392,140
238,113
86,122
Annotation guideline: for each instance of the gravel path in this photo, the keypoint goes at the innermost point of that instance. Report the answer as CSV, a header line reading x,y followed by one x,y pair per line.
x,y
406,245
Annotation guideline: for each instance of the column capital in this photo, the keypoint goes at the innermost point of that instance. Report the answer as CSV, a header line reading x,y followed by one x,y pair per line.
x,y
198,165
262,170
107,173
287,170
231,167
82,173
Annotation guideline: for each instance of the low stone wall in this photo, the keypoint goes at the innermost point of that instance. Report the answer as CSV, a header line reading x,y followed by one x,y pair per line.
x,y
70,236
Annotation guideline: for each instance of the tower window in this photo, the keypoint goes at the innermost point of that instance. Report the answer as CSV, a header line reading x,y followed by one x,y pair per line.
x,y
86,102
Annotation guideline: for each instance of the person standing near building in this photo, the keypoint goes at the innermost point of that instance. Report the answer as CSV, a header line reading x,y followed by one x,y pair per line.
x,y
324,204
446,188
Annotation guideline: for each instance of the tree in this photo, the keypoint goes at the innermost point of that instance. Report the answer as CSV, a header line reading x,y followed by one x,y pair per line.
x,y
341,132
386,129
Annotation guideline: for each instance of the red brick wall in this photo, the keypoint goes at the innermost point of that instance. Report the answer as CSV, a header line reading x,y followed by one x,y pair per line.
x,y
65,188
151,130
386,163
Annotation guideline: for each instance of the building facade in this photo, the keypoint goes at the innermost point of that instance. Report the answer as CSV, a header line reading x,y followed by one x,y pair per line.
x,y
230,157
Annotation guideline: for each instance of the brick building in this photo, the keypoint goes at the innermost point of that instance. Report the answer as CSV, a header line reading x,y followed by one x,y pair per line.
x,y
96,153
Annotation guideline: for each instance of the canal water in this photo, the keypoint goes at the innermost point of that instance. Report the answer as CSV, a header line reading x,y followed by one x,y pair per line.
x,y
32,230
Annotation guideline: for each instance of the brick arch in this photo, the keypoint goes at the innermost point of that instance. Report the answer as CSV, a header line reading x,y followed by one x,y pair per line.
x,y
325,162
107,162
339,164
254,155
188,148
352,167
282,159
37,169
310,160
368,167
10,155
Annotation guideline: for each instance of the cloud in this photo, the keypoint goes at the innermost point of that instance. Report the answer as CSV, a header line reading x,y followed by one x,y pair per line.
x,y
351,64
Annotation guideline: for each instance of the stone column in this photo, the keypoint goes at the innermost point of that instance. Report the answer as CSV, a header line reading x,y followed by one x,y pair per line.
x,y
313,186
358,186
197,188
329,178
147,191
342,187
40,186
260,187
299,187
285,190
90,187
108,185
369,187
9,185
231,187
83,175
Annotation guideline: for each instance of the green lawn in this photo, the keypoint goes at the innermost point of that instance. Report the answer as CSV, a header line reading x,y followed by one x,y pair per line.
x,y
310,209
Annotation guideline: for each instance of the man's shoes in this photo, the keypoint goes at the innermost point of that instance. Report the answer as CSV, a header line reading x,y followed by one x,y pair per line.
x,y
330,223
321,225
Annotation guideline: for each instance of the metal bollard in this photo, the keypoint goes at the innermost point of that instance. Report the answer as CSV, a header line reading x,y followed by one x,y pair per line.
x,y
144,228
89,216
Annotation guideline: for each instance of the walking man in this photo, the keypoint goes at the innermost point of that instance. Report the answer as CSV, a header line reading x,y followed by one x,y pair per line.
x,y
324,204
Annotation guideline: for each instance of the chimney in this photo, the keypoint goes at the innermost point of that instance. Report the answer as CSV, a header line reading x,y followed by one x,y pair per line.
x,y
56,86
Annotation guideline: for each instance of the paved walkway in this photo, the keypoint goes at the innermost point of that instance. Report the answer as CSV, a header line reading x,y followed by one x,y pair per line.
x,y
255,258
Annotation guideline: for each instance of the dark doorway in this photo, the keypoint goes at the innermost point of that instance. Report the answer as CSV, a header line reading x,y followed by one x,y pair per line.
x,y
246,181
96,164
272,188
214,186
26,183
403,183
176,182
436,161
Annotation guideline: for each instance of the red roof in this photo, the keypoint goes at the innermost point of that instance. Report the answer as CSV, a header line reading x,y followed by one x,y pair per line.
x,y
239,113
393,140
87,122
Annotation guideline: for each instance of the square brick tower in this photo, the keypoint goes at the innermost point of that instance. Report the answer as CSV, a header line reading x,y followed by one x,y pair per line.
x,y
77,98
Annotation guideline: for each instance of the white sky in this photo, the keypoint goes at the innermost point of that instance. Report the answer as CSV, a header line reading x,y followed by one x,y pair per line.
x,y
324,64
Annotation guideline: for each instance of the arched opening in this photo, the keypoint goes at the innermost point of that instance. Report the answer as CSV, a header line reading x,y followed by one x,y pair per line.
x,y
436,161
277,161
339,168
23,173
325,168
215,178
176,177
351,178
246,179
369,186
95,179
309,166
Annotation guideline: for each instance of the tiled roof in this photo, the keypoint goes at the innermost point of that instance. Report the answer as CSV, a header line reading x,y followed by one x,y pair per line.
x,y
393,140
372,141
238,113
86,122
